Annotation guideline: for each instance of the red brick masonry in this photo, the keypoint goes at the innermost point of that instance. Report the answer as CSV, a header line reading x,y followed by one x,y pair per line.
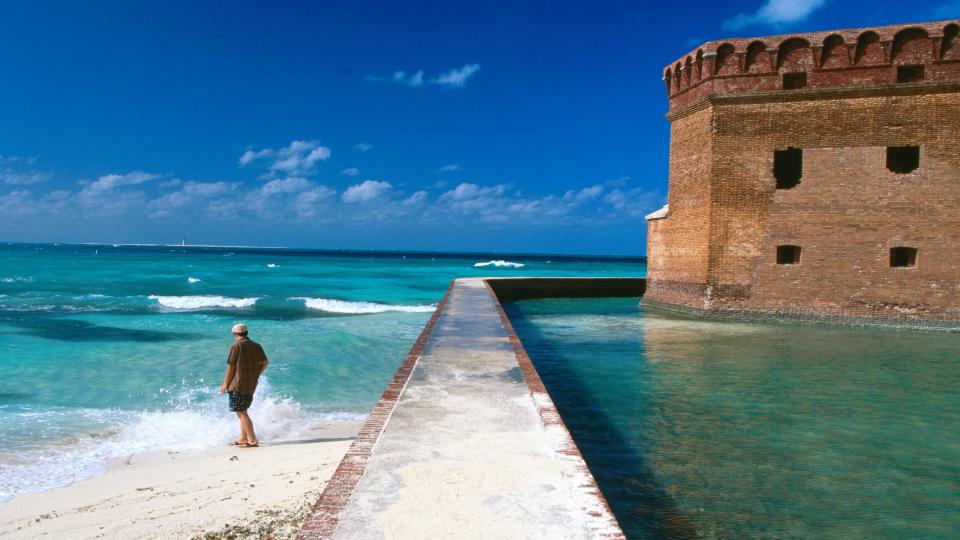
x,y
323,518
836,58
860,95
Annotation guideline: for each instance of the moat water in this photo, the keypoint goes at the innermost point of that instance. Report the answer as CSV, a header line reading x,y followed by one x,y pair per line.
x,y
700,429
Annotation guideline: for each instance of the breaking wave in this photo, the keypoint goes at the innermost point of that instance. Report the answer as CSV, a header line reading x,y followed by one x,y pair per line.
x,y
202,302
499,264
192,419
193,280
342,306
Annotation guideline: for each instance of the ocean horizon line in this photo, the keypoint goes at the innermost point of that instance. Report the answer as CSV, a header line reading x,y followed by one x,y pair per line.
x,y
279,250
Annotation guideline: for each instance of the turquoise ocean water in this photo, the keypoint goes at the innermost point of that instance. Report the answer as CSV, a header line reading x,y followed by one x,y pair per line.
x,y
109,351
699,429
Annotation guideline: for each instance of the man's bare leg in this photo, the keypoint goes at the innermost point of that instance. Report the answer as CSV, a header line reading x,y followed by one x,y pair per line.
x,y
246,427
242,440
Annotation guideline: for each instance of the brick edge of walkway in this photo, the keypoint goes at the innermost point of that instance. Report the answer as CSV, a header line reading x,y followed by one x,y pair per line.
x,y
322,521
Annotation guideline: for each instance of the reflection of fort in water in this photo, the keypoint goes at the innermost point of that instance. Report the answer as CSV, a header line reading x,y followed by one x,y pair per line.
x,y
815,174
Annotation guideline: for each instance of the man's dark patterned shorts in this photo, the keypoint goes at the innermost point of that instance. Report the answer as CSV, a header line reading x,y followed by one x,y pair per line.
x,y
239,402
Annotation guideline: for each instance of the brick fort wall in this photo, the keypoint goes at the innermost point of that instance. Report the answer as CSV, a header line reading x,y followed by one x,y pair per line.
x,y
862,92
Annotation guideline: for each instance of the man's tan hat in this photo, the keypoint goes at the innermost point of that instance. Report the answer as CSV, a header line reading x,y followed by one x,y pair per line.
x,y
239,328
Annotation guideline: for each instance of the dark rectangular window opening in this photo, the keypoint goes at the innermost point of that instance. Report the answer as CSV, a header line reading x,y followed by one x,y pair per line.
x,y
903,257
910,73
794,81
788,167
788,254
903,159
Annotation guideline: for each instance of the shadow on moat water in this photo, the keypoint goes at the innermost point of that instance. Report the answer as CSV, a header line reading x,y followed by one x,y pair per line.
x,y
642,505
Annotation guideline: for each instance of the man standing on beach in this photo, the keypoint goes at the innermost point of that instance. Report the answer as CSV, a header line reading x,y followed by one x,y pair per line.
x,y
245,363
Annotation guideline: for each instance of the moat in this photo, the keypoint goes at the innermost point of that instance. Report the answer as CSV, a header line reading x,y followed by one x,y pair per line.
x,y
699,429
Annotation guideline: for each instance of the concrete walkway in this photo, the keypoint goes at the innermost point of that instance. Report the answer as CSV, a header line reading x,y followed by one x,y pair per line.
x,y
471,450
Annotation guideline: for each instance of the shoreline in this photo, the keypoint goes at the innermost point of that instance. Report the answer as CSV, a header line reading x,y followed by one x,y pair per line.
x,y
216,493
365,252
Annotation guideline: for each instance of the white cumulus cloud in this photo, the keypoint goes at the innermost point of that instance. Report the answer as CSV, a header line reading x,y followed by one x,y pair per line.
x,y
20,171
16,203
452,78
583,195
352,171
21,178
308,204
416,199
126,199
775,13
22,203
250,156
366,191
453,167
103,196
285,185
457,77
415,80
299,158
110,181
190,194
467,191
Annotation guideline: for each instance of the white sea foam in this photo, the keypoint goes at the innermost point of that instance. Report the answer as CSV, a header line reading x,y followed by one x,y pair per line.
x,y
499,264
342,306
38,307
271,265
193,280
17,279
194,419
202,302
86,303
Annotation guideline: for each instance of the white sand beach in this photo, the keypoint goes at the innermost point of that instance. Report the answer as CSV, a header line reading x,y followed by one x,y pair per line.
x,y
220,493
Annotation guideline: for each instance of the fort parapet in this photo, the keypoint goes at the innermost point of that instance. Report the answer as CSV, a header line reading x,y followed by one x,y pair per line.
x,y
815,174
856,58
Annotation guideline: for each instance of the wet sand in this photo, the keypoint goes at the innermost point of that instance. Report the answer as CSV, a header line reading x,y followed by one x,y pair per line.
x,y
219,493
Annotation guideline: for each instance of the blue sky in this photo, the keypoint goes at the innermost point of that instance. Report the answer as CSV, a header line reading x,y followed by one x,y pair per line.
x,y
504,126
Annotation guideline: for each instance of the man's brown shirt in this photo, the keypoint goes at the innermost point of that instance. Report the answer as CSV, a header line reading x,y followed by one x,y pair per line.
x,y
250,360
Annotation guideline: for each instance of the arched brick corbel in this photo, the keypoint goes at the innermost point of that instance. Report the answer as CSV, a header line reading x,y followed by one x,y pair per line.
x,y
709,64
937,47
741,57
817,51
850,49
887,45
